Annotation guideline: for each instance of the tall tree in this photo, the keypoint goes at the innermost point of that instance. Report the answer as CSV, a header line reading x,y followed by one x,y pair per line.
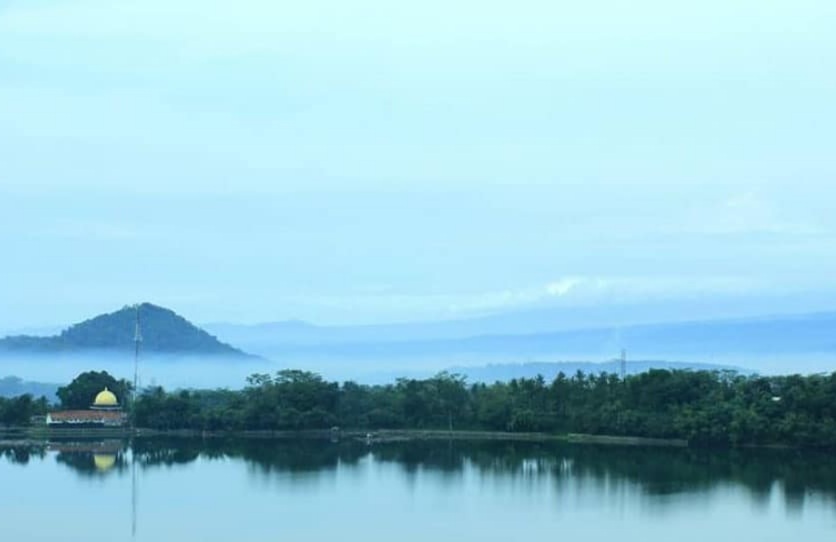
x,y
81,392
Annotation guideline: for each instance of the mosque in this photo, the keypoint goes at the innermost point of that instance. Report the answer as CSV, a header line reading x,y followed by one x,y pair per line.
x,y
104,412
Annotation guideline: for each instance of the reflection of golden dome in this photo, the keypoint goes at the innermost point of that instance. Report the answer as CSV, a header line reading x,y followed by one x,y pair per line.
x,y
106,398
104,461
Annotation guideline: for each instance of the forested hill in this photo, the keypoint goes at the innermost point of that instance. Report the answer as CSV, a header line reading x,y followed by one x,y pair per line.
x,y
163,332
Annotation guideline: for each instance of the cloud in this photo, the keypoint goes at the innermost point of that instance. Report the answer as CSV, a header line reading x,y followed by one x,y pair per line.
x,y
599,289
575,291
563,286
750,213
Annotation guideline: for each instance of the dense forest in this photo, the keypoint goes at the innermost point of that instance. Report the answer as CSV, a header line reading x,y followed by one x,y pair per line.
x,y
706,408
716,409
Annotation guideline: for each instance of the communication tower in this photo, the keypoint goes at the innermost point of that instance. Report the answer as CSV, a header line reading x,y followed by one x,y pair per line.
x,y
623,363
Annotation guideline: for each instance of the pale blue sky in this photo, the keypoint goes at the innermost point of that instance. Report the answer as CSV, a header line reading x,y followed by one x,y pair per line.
x,y
375,161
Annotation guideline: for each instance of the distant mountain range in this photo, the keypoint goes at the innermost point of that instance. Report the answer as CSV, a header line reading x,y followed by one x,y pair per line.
x,y
163,332
775,335
523,322
497,341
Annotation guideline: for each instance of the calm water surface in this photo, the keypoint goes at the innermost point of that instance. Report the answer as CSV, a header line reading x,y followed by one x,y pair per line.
x,y
175,490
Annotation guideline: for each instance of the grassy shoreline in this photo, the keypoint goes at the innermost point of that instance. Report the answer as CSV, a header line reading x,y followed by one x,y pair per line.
x,y
39,435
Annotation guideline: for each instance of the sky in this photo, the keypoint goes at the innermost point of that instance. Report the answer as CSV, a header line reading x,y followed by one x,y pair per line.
x,y
374,161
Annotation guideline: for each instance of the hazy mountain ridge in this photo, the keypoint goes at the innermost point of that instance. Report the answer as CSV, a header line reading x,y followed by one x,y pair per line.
x,y
163,332
12,386
788,334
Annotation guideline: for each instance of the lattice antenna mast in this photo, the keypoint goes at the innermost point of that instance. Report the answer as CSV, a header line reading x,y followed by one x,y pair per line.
x,y
623,363
137,342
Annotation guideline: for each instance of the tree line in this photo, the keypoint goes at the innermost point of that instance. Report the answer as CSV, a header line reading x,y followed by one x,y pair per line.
x,y
721,409
18,411
706,408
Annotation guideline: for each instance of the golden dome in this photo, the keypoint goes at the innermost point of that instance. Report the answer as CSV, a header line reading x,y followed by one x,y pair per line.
x,y
104,462
106,398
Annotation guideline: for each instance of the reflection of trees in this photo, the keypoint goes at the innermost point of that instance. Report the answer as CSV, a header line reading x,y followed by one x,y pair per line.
x,y
288,455
424,454
267,454
654,471
166,451
21,455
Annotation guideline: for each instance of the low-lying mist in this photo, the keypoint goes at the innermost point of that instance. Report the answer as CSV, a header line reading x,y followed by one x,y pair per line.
x,y
170,372
213,372
174,372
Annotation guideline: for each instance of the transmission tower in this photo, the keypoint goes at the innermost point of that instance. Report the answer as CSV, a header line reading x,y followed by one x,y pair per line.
x,y
137,342
623,363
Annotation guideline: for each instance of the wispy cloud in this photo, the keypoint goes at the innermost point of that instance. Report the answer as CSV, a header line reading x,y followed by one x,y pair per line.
x,y
563,286
749,213
575,291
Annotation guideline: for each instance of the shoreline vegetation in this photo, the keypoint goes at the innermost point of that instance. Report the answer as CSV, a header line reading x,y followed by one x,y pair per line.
x,y
697,409
37,435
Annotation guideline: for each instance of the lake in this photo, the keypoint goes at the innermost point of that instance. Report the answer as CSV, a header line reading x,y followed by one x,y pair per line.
x,y
168,489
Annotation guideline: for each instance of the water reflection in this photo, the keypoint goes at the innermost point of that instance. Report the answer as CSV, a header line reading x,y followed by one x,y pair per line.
x,y
21,454
656,472
91,458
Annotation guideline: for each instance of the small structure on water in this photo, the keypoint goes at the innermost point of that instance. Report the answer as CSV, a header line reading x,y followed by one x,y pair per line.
x,y
104,412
